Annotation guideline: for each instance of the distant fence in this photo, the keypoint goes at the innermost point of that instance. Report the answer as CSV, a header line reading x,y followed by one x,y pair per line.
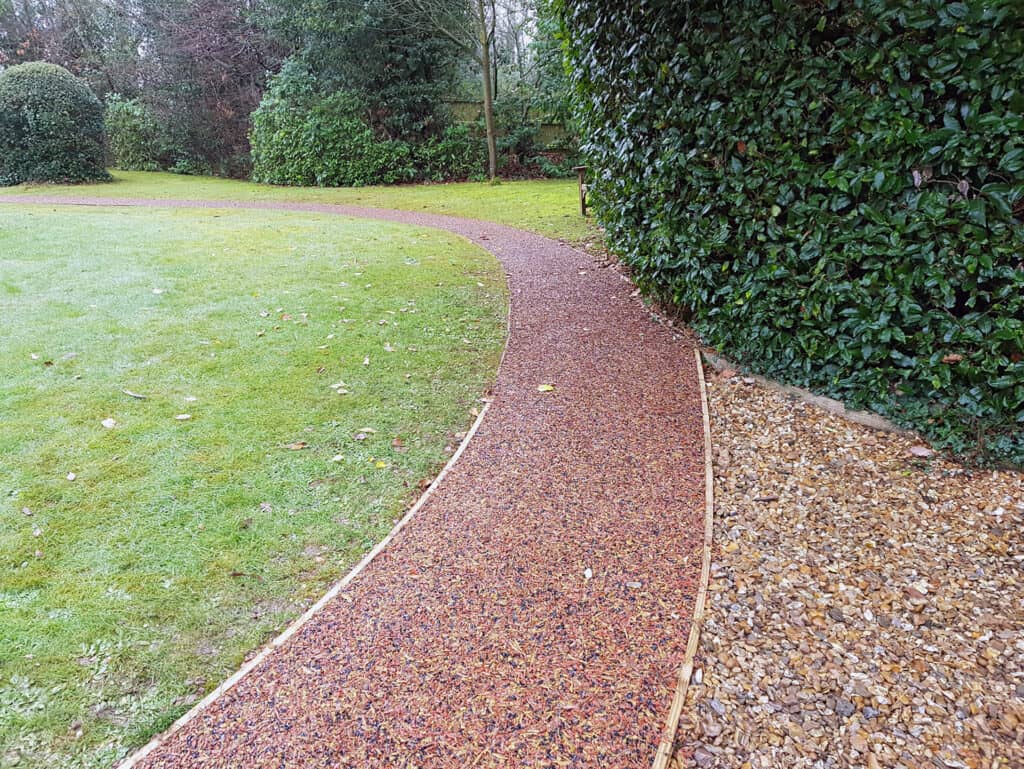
x,y
469,111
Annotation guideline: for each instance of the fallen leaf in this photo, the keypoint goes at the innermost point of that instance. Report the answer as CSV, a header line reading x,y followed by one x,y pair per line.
x,y
921,451
367,430
297,446
953,358
545,388
380,465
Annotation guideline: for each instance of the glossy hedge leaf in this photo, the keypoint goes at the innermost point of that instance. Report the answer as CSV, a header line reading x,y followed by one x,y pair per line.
x,y
834,191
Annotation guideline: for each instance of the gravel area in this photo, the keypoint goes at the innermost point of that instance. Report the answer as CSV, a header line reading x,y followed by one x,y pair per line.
x,y
866,603
535,611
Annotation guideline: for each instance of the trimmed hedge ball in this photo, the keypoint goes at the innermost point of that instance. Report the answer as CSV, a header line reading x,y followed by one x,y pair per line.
x,y
51,127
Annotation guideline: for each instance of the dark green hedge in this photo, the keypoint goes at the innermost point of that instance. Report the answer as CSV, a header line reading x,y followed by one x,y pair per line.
x,y
51,127
834,190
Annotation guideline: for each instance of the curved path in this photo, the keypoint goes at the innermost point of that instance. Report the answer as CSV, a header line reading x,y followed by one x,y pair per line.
x,y
534,612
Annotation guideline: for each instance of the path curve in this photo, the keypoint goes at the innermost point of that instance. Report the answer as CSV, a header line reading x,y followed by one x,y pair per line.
x,y
535,611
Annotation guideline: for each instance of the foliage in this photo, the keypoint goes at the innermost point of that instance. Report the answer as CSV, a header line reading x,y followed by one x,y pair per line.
x,y
134,137
96,40
401,71
51,127
834,190
199,68
457,154
205,75
303,138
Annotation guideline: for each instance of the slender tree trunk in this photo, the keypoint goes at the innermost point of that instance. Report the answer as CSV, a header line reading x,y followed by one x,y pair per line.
x,y
485,67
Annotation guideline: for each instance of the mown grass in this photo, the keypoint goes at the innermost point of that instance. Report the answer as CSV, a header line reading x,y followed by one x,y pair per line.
x,y
182,544
549,207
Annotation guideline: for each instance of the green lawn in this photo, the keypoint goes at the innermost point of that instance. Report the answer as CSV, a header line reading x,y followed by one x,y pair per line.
x,y
143,554
549,207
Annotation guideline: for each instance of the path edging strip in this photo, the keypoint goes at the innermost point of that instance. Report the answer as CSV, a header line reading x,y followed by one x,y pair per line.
x,y
668,740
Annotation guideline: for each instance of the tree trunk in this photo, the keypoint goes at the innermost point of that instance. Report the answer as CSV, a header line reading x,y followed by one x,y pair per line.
x,y
485,67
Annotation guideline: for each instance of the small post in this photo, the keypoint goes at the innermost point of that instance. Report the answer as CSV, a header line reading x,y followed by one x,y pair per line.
x,y
581,173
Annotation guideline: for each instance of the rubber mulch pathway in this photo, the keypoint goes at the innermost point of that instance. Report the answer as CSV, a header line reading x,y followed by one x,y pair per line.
x,y
476,638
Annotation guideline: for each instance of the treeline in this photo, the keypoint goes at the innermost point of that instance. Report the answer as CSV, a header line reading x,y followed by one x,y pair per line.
x,y
305,91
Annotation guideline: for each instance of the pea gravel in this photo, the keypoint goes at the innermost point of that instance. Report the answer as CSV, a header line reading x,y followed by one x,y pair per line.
x,y
535,611
866,604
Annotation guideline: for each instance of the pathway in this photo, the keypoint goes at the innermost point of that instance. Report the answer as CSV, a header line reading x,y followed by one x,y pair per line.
x,y
535,611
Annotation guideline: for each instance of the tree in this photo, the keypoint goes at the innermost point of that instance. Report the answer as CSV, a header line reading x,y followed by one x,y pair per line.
x,y
199,65
204,71
97,41
401,72
469,24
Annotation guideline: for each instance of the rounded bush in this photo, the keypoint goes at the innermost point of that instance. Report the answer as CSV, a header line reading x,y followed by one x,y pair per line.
x,y
51,127
833,190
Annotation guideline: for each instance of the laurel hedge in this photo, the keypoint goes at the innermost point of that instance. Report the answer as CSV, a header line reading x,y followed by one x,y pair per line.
x,y
51,127
833,190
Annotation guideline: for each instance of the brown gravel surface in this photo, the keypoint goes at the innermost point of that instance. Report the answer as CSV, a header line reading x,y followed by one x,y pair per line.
x,y
866,605
535,611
